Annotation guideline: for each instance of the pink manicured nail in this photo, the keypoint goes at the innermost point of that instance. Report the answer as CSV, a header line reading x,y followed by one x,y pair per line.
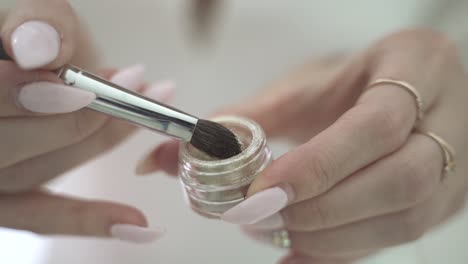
x,y
136,234
35,44
257,207
53,98
130,77
272,222
160,91
146,165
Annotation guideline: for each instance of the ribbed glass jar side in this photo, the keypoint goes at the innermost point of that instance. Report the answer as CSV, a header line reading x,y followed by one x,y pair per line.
x,y
212,186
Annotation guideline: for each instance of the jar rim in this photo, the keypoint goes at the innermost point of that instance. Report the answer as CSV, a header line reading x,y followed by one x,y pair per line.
x,y
256,131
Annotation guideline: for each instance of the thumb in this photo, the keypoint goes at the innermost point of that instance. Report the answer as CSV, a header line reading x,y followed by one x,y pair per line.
x,y
40,33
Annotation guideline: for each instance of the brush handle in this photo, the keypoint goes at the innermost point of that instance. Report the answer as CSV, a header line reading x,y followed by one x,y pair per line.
x,y
119,102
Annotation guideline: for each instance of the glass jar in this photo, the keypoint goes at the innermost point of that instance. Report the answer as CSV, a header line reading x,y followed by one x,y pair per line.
x,y
212,186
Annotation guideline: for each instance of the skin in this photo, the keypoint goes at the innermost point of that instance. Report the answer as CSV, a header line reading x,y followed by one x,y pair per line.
x,y
45,146
362,180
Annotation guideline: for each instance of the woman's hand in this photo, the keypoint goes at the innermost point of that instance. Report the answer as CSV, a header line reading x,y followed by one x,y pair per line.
x,y
44,131
362,180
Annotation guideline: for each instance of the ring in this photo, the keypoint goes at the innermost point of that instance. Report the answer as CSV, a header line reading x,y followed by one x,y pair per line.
x,y
281,239
447,150
409,88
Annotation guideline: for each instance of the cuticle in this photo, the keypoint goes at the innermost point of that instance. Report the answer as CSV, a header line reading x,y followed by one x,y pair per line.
x,y
289,190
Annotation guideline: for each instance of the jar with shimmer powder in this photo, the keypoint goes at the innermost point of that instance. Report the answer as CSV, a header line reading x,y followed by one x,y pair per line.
x,y
212,186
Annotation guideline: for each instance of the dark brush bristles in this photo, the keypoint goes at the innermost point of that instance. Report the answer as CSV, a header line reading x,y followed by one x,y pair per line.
x,y
215,140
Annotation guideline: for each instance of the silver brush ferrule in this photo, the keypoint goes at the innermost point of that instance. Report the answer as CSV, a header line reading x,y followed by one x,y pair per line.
x,y
119,102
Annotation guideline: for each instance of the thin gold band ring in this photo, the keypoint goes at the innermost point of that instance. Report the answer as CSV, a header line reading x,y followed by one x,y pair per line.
x,y
409,88
447,150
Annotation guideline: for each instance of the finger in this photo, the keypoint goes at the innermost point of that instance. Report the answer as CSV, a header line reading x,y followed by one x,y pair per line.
x,y
41,33
47,166
314,90
164,158
45,213
32,136
267,238
41,93
12,79
360,137
378,232
376,126
399,181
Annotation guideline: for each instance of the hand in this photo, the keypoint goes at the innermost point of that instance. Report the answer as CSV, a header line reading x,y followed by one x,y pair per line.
x,y
44,131
361,180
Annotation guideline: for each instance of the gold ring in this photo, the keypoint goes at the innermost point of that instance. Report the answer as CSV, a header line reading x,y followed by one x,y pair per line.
x,y
409,88
281,239
447,150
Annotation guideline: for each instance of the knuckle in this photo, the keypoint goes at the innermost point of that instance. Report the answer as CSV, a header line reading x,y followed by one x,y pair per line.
x,y
294,217
318,169
81,212
441,46
322,217
309,215
417,178
83,123
412,184
111,134
436,39
79,125
386,124
444,54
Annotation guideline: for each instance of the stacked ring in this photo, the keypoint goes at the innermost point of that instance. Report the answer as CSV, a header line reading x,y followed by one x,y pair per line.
x,y
408,87
447,151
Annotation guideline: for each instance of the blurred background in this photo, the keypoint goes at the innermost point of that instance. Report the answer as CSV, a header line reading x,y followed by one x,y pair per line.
x,y
246,44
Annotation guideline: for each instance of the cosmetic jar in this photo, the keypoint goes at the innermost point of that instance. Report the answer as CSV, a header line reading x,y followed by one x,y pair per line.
x,y
212,186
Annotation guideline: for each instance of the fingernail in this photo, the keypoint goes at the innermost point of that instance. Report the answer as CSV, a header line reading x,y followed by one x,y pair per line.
x,y
160,91
272,222
35,44
130,77
257,207
136,234
146,165
53,98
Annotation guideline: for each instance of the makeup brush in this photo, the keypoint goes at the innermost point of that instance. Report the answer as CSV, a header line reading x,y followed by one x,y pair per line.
x,y
207,136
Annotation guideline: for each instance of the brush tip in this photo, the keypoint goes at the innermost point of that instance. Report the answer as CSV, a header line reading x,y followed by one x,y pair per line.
x,y
215,140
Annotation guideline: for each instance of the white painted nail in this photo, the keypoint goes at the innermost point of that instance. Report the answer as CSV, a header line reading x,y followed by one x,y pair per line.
x,y
53,98
35,44
130,77
160,91
136,234
257,207
272,222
